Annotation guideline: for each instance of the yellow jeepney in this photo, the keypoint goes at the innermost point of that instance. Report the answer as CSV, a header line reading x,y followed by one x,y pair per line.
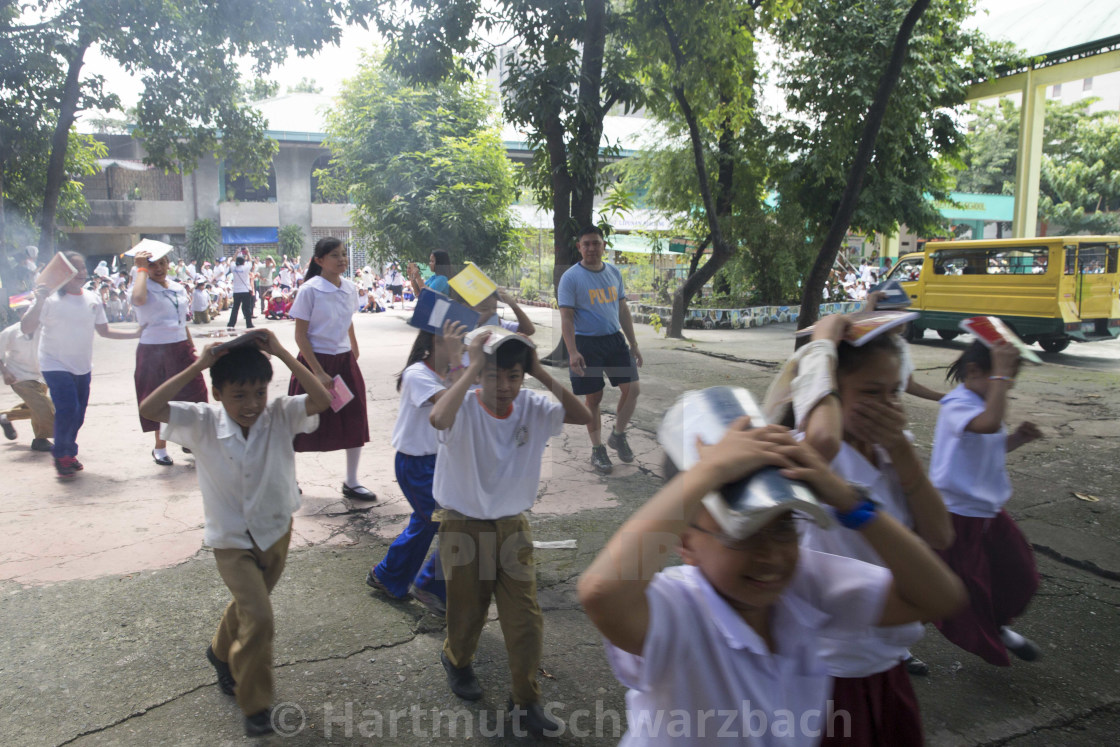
x,y
1049,289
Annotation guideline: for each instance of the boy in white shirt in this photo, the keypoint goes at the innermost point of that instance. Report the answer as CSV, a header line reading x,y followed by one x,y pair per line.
x,y
728,646
200,303
19,365
246,471
487,475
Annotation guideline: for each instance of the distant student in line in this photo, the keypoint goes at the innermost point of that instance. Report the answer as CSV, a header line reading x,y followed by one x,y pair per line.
x,y
488,471
741,625
969,467
246,472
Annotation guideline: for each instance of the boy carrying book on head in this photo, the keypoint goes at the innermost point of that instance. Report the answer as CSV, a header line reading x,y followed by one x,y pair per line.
x,y
488,471
243,451
737,631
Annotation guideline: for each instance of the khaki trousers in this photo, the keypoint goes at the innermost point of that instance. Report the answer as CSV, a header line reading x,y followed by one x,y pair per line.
x,y
485,558
36,407
244,636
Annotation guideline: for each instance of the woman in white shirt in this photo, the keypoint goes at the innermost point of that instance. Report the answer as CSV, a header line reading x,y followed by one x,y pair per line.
x,y
163,308
324,310
242,293
69,319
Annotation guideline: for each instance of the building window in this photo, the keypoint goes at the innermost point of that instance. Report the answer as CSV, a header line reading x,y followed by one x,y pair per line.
x,y
1087,84
1056,91
242,190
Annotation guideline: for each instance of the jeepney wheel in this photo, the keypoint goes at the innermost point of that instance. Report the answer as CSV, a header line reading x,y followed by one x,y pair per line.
x,y
948,334
1054,346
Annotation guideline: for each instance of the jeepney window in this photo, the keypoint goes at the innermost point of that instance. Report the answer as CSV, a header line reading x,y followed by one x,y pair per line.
x,y
907,270
1032,260
1093,259
960,262
1023,261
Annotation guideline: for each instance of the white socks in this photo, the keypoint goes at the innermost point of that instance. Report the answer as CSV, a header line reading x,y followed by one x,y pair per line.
x,y
352,457
159,453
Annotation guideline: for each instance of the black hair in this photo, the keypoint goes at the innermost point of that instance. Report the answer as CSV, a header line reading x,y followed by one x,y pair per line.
x,y
240,260
850,358
443,263
421,350
323,247
511,353
977,353
245,364
590,229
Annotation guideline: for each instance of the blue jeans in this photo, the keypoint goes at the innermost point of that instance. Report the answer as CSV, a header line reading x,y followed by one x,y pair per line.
x,y
70,394
404,564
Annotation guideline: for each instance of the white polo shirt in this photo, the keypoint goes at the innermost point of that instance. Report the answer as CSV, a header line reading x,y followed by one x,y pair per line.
x,y
970,469
20,353
490,467
328,311
413,433
68,323
704,670
248,485
241,280
163,317
876,649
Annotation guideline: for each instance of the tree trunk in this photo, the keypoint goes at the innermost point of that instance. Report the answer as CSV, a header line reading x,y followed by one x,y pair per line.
x,y
573,191
811,297
60,140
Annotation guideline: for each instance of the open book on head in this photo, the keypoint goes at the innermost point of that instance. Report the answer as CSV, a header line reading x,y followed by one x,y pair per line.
x,y
867,325
743,507
157,249
58,272
896,296
990,330
498,336
433,309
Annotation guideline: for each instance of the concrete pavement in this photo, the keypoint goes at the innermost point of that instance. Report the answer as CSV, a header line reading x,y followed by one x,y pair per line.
x,y
109,601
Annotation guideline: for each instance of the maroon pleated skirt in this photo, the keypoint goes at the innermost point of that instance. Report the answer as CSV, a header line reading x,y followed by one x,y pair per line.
x,y
996,564
346,428
882,708
156,364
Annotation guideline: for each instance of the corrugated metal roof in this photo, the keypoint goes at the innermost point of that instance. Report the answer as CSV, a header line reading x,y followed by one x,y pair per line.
x,y
1045,26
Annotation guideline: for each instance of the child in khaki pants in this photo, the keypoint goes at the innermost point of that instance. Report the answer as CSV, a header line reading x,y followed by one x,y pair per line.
x,y
487,475
246,471
19,365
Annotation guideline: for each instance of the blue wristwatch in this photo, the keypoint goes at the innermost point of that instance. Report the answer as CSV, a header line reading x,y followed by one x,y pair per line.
x,y
863,512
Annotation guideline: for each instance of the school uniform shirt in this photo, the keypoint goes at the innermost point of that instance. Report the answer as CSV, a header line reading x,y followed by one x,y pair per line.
x,y
699,655
970,469
68,323
286,277
248,485
489,467
413,433
164,315
328,311
593,294
241,281
200,300
20,353
874,649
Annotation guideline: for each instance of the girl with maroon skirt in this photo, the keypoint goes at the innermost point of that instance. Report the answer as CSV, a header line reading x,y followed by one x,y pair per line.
x,y
969,467
163,308
854,418
323,310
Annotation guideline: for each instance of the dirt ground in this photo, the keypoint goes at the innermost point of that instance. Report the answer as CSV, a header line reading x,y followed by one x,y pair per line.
x,y
108,600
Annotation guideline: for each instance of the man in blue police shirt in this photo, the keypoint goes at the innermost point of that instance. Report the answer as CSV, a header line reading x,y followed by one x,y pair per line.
x,y
594,317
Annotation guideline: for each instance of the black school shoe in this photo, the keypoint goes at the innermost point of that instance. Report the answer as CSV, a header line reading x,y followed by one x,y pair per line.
x,y
164,461
9,429
226,682
259,724
41,444
358,493
533,719
916,666
461,680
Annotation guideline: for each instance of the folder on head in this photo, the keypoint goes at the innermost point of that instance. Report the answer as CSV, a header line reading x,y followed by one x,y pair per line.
x,y
472,285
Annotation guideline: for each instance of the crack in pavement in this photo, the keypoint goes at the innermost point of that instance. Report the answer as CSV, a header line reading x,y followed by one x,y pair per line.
x,y
1111,707
1084,565
766,365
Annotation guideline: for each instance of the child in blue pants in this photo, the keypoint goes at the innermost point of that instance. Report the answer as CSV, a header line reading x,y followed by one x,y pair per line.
x,y
421,384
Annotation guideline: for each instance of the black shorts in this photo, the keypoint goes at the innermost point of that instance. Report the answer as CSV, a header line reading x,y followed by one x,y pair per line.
x,y
396,290
603,355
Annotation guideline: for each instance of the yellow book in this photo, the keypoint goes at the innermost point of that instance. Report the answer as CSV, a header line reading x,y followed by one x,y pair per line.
x,y
472,285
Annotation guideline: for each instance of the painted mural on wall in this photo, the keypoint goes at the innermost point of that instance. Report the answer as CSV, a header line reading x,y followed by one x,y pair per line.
x,y
754,316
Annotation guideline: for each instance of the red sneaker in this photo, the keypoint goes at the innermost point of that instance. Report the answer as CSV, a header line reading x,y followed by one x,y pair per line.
x,y
65,468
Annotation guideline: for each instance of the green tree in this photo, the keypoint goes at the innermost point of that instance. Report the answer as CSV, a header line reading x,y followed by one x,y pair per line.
x,y
203,239
187,53
258,89
291,240
425,167
306,85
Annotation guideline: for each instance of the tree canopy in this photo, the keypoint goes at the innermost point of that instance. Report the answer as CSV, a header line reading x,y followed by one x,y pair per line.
x,y
424,165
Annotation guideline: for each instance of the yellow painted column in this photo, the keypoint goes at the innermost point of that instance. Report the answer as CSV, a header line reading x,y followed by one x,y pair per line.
x,y
1028,167
890,245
